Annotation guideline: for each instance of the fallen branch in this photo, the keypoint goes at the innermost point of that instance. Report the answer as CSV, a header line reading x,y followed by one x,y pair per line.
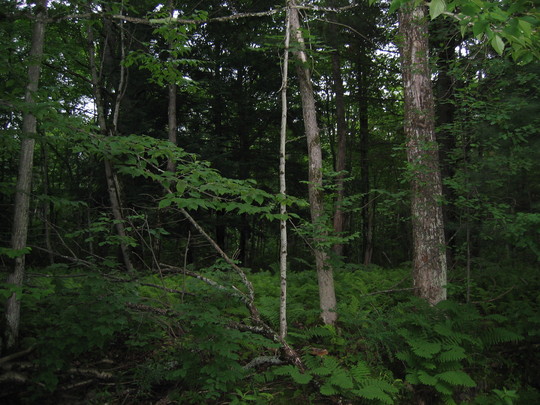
x,y
258,361
14,356
14,377
90,372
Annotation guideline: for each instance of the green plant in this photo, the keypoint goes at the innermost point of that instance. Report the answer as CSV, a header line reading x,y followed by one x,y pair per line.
x,y
437,345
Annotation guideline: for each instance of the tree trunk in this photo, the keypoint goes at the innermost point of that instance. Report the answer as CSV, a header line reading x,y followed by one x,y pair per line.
x,y
110,175
283,184
444,39
368,205
24,178
327,295
339,215
429,258
46,204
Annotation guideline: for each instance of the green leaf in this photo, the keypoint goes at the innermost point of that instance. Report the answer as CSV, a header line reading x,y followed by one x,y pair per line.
x,y
498,44
181,187
14,253
436,8
479,28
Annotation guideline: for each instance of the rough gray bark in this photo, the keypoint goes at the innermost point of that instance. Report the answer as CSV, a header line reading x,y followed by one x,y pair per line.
x,y
325,275
24,178
429,261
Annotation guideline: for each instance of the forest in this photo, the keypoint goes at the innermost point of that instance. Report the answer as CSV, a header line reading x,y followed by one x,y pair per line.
x,y
261,202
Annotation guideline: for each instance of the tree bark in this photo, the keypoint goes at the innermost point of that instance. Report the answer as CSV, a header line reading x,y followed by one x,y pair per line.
x,y
429,258
24,178
325,275
283,183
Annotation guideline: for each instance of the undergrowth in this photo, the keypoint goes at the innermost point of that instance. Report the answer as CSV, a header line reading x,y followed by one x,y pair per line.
x,y
387,348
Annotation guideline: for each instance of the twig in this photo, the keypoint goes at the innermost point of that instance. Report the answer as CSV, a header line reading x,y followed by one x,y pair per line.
x,y
389,291
167,289
147,308
497,297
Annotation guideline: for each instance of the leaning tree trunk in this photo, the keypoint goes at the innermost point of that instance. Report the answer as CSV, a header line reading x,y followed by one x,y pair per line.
x,y
325,275
429,261
24,178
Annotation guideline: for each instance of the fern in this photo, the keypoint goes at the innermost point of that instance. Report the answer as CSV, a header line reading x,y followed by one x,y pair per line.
x,y
360,371
340,378
374,389
496,335
456,377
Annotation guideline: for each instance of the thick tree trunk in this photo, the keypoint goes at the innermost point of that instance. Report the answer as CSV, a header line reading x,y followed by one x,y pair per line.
x,y
429,261
24,178
327,295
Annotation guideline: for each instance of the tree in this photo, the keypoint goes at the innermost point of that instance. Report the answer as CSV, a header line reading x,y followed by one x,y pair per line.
x,y
24,178
429,257
113,185
325,275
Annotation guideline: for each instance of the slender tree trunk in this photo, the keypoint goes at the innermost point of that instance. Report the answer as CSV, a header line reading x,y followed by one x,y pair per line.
x,y
172,124
325,275
283,183
368,206
442,33
429,257
46,204
112,182
341,156
24,178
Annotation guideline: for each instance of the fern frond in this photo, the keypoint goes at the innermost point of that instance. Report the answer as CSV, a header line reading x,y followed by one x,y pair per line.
x,y
360,371
453,353
328,389
374,389
341,379
427,379
424,348
498,335
456,377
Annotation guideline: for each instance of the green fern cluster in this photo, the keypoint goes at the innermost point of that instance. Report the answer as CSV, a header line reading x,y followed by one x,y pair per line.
x,y
435,345
333,378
